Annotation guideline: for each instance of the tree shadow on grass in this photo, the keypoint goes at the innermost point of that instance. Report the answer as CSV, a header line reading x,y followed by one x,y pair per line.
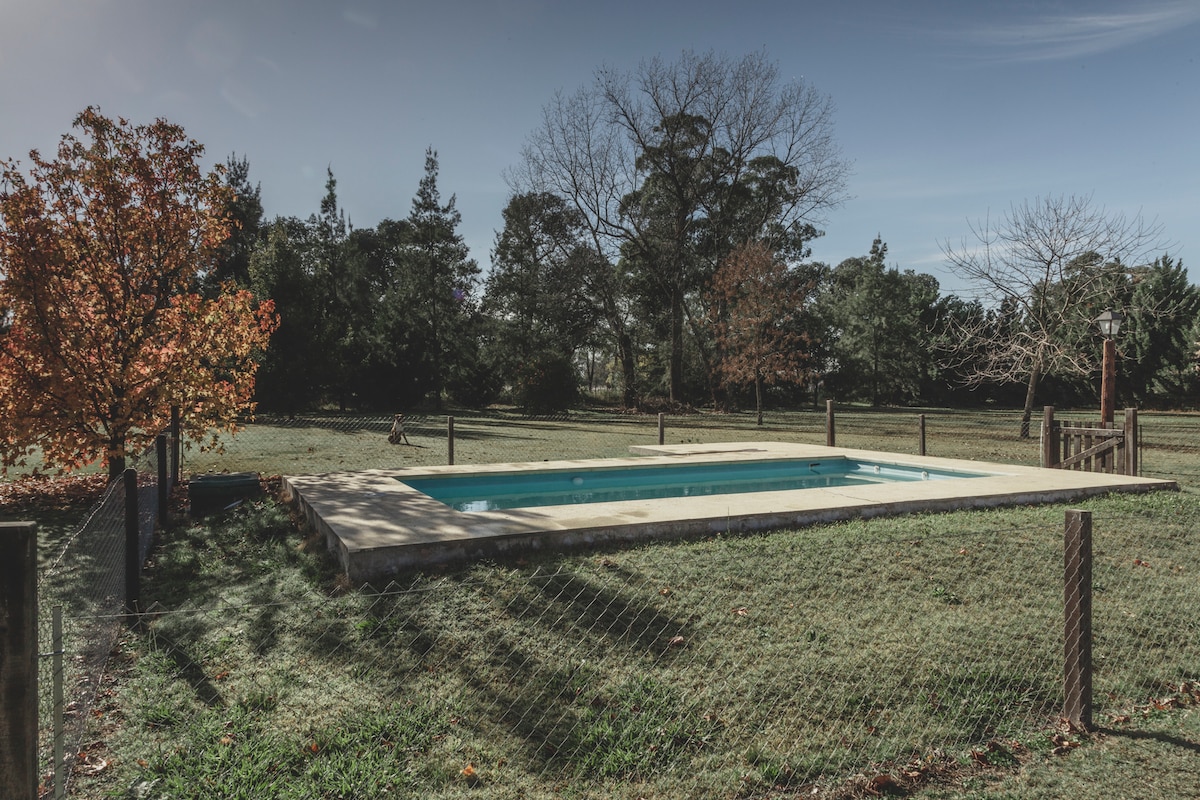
x,y
1165,738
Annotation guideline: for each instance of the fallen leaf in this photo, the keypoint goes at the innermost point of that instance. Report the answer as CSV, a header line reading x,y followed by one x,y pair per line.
x,y
676,641
741,611
665,591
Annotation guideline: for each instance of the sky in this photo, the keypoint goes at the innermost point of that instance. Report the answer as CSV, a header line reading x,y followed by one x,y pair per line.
x,y
949,112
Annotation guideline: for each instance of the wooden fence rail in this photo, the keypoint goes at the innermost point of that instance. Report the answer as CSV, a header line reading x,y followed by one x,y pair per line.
x,y
1092,447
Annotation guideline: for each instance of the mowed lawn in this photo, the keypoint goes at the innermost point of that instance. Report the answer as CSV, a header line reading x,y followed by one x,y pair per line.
x,y
918,655
337,442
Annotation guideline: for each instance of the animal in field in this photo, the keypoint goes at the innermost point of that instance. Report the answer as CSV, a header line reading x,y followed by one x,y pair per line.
x,y
397,435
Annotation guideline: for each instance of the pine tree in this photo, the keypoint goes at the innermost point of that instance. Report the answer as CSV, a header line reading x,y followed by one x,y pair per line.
x,y
443,271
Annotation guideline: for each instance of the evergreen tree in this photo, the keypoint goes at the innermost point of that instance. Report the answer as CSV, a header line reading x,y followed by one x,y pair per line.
x,y
245,211
444,276
1156,343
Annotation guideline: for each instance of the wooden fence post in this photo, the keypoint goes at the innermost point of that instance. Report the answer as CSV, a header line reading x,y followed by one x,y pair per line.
x,y
829,434
450,441
1077,596
18,661
921,434
661,427
133,546
1131,442
1050,446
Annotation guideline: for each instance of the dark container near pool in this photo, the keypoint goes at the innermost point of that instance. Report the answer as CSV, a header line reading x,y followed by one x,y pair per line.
x,y
210,493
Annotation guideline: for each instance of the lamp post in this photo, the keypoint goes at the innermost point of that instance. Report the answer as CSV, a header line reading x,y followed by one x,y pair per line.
x,y
1109,323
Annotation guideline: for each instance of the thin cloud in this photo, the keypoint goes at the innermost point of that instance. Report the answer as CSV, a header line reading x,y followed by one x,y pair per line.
x,y
1058,38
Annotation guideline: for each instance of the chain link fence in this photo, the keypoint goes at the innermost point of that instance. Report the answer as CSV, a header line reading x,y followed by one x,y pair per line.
x,y
847,661
83,592
318,443
843,661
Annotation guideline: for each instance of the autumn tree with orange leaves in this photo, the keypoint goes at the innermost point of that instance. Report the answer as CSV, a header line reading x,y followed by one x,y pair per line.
x,y
101,253
753,300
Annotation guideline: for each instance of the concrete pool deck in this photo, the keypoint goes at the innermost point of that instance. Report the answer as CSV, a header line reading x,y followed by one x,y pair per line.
x,y
378,526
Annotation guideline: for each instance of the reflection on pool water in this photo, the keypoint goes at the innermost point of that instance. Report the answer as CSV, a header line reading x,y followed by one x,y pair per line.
x,y
526,489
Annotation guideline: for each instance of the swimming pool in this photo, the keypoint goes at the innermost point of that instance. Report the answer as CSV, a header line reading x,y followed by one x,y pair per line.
x,y
534,489
377,524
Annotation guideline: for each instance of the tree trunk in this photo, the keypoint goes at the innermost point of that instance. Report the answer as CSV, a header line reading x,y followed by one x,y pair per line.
x,y
676,368
1035,375
758,394
628,371
116,463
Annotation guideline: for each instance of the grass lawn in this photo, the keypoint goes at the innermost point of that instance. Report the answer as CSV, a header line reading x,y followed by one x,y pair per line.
x,y
332,442
914,656
918,655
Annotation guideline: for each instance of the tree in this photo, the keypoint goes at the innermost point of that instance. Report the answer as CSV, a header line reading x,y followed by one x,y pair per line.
x,y
538,292
1156,342
245,212
295,364
879,320
101,249
660,161
753,297
445,275
1056,262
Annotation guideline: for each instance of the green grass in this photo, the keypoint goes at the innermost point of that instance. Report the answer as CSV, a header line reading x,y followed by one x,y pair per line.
x,y
333,442
920,653
733,667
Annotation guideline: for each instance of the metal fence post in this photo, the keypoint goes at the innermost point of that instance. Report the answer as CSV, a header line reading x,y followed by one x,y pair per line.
x,y
160,446
60,777
18,661
133,550
1077,673
921,434
450,441
661,427
829,437
175,445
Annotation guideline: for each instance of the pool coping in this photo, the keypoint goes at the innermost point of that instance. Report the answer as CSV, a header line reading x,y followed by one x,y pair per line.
x,y
377,527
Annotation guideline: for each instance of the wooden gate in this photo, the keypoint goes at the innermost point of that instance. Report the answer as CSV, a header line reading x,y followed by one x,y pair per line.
x,y
1092,447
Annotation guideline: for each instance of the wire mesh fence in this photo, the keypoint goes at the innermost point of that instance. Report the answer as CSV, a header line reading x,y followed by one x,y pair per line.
x,y
835,662
84,587
312,444
808,660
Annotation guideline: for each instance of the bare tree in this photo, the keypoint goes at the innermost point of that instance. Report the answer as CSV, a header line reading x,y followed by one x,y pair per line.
x,y
1045,270
673,164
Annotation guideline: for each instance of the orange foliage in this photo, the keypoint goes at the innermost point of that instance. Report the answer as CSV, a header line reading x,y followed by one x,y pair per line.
x,y
751,304
103,330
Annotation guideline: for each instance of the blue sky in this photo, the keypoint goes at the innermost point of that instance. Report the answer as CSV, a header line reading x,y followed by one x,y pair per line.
x,y
949,111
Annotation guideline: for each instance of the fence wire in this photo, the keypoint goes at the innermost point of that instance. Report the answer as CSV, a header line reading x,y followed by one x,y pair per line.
x,y
798,662
836,662
318,443
86,580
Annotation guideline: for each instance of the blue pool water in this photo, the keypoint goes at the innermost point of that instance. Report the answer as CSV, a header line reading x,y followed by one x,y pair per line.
x,y
490,492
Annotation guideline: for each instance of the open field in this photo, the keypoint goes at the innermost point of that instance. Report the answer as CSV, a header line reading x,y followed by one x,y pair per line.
x,y
331,442
921,653
917,655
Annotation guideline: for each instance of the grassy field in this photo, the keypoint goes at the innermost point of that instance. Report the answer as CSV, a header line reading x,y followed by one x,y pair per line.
x,y
916,655
331,442
912,656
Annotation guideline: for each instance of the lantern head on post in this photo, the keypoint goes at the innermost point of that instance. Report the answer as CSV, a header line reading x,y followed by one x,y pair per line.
x,y
1109,323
